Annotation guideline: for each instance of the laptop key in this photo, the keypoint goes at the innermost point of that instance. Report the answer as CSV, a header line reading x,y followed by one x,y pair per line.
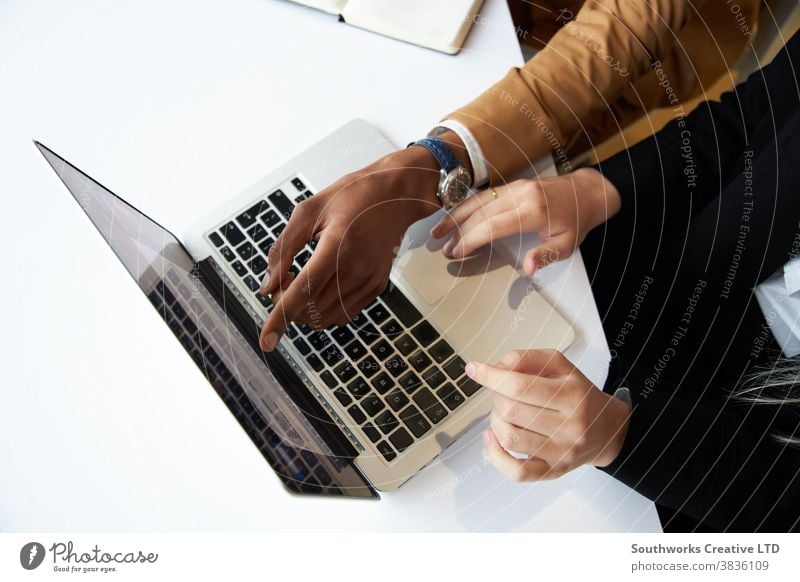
x,y
356,414
372,405
265,245
368,333
270,218
382,350
249,216
454,368
405,345
401,306
240,269
440,351
434,378
450,395
382,383
397,400
392,328
302,346
415,422
378,313
468,386
396,365
246,251
332,355
291,331
258,265
216,239
358,388
386,421
251,283
410,382
329,379
232,233
368,366
419,360
355,350
386,450
425,333
359,321
371,432
227,253
318,340
431,407
257,232
282,203
401,439
297,183
303,258
315,363
345,371
276,231
342,335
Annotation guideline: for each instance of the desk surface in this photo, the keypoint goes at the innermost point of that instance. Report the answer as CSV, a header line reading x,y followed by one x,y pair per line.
x,y
105,424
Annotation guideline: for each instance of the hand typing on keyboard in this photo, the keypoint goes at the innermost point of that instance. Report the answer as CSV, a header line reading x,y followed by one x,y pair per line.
x,y
357,224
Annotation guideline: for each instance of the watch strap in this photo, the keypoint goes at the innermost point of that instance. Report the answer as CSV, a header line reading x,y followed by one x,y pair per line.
x,y
444,155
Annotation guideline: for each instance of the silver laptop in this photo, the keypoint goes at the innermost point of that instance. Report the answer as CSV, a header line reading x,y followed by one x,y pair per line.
x,y
350,410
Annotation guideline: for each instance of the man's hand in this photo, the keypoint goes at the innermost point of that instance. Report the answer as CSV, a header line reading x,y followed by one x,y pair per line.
x,y
562,210
358,224
545,408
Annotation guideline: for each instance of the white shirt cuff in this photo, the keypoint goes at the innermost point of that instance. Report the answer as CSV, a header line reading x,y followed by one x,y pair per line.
x,y
480,168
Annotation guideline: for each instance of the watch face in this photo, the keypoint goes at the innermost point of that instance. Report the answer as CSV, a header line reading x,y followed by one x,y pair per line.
x,y
455,186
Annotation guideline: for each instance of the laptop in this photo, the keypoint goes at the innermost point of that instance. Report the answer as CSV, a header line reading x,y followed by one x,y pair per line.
x,y
350,410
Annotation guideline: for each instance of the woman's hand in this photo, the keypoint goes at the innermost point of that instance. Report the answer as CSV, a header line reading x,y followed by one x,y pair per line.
x,y
545,408
562,210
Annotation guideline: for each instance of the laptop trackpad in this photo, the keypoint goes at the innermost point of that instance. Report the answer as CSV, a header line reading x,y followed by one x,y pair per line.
x,y
421,262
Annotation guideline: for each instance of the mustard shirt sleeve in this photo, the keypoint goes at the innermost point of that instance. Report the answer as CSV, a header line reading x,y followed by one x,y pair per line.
x,y
538,108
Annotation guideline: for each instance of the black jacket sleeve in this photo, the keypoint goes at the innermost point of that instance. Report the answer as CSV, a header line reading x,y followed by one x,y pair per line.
x,y
695,156
721,464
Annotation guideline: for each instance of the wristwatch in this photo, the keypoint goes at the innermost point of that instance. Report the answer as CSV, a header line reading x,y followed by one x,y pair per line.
x,y
454,179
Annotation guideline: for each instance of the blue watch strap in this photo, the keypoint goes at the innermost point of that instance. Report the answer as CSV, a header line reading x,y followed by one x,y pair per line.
x,y
440,150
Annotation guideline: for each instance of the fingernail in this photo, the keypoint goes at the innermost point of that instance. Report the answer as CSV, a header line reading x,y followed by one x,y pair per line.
x,y
435,230
456,252
269,341
470,369
264,283
448,246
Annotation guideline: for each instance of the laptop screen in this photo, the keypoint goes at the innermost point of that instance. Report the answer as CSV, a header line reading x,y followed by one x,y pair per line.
x,y
173,282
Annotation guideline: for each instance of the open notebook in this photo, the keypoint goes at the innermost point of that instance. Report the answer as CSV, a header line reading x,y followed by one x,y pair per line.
x,y
441,25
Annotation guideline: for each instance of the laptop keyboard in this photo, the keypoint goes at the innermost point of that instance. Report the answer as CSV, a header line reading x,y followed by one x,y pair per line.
x,y
391,370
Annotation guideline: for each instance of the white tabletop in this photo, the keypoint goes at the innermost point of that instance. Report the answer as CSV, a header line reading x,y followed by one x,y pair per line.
x,y
105,423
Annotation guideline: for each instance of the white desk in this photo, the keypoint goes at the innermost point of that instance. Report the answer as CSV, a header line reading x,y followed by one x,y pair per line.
x,y
105,424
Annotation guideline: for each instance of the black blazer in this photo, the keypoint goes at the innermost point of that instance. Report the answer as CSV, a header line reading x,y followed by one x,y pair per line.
x,y
707,457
